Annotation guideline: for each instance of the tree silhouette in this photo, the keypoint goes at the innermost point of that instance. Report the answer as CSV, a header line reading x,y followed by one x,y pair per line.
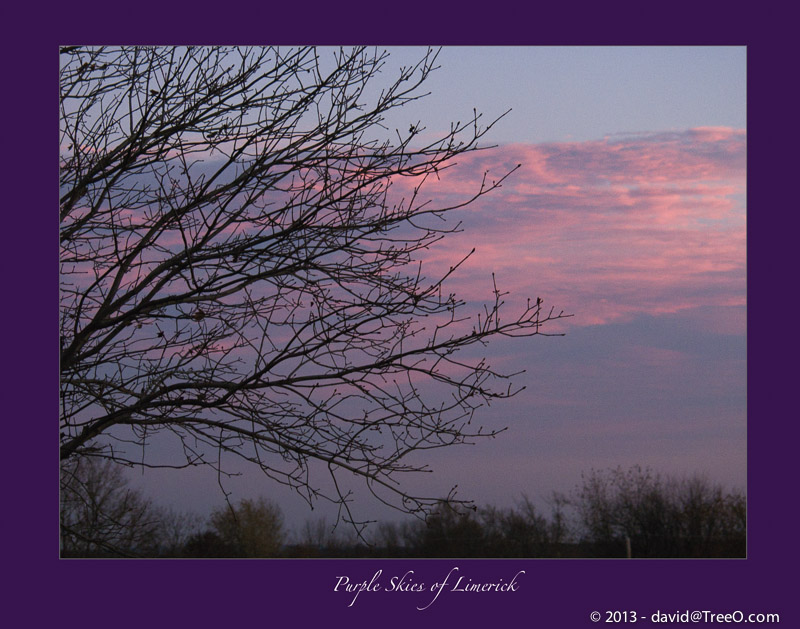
x,y
662,516
253,528
100,515
241,244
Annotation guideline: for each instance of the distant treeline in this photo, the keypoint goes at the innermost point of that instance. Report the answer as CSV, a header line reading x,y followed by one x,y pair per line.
x,y
611,513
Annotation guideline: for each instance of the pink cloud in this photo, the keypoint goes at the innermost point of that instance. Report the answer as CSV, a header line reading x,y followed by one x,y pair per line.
x,y
607,229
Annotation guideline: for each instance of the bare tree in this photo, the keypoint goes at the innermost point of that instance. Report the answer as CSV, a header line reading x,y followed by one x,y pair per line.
x,y
176,529
661,516
241,244
100,515
253,528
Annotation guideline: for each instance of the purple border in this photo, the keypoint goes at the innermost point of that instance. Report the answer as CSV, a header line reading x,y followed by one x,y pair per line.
x,y
553,593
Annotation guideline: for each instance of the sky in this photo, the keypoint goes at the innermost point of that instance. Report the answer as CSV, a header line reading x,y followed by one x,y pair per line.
x,y
628,212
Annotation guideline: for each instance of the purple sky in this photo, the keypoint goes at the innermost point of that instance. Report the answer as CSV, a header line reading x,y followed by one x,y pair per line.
x,y
634,223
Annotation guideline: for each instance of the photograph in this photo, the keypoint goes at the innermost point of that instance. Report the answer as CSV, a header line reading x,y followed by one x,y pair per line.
x,y
297,279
